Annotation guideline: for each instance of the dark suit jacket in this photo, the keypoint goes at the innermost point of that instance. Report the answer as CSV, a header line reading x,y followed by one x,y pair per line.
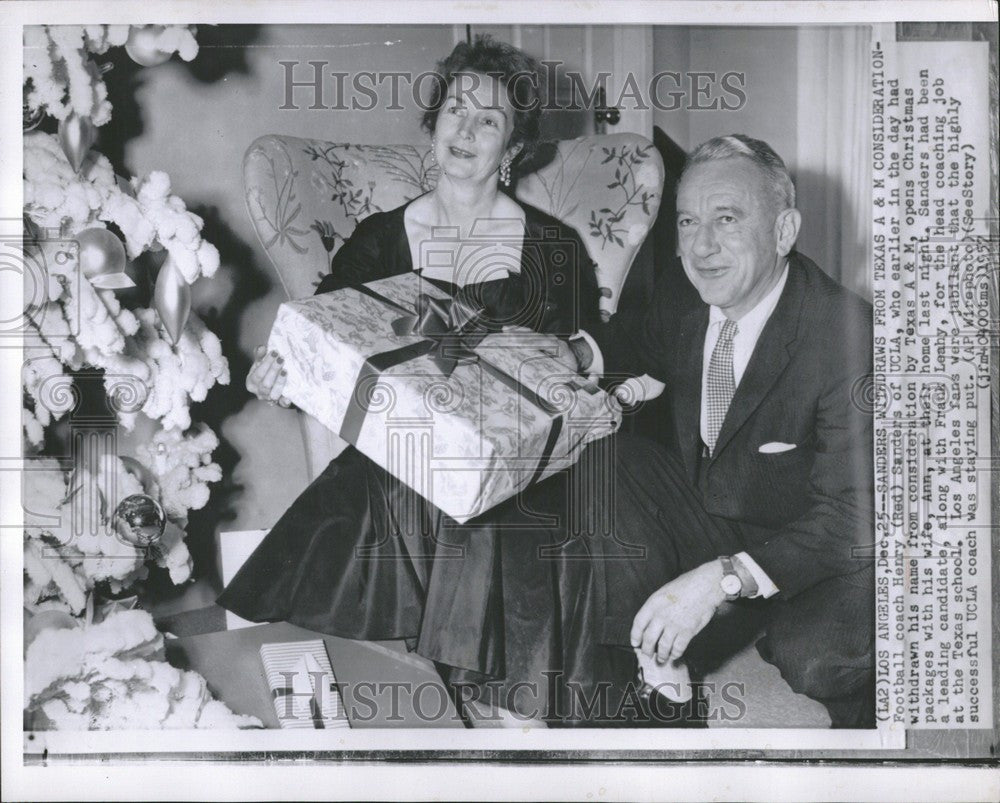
x,y
806,514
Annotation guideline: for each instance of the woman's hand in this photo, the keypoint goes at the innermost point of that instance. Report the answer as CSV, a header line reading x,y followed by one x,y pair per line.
x,y
266,379
559,349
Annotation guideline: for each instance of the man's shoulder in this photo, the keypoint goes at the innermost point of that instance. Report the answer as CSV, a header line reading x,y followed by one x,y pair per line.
x,y
825,298
836,325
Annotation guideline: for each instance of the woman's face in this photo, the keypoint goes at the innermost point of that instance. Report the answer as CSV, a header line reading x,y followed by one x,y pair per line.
x,y
473,127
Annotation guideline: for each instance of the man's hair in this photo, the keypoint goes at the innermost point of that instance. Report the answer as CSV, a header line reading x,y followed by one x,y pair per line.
x,y
758,152
517,72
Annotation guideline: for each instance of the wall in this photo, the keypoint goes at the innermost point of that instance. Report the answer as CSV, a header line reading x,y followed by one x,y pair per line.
x,y
768,58
672,53
804,91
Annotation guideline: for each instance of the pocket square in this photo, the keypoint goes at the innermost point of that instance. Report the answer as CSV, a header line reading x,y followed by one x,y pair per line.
x,y
776,447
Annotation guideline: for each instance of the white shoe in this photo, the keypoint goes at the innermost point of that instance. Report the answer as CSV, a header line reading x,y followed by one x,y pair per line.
x,y
483,716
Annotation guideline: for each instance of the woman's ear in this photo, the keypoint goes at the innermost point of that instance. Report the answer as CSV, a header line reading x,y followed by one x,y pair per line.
x,y
513,151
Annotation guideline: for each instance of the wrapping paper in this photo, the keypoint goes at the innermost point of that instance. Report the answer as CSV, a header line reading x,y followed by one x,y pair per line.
x,y
464,442
303,685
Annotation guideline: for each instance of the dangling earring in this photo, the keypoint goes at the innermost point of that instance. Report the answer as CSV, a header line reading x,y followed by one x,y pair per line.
x,y
434,157
505,171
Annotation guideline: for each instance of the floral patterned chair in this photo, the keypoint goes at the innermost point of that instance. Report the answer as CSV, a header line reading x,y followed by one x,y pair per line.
x,y
306,196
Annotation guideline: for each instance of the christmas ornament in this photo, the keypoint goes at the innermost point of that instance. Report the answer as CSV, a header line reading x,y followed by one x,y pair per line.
x,y
76,136
140,520
125,186
30,118
142,45
172,300
102,259
32,234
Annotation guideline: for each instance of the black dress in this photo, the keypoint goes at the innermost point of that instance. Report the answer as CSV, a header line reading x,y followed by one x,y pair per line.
x,y
358,556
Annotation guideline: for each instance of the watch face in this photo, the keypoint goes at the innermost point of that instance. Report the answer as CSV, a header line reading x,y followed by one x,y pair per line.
x,y
731,584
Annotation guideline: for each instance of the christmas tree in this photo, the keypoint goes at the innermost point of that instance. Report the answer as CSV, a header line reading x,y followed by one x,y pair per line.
x,y
96,520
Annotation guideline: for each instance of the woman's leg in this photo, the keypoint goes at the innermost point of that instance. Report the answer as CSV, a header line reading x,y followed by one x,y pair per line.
x,y
332,563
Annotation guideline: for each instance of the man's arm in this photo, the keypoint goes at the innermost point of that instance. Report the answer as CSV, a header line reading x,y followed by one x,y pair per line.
x,y
634,342
832,537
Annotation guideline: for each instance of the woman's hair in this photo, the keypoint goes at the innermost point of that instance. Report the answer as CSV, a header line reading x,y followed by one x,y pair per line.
x,y
514,69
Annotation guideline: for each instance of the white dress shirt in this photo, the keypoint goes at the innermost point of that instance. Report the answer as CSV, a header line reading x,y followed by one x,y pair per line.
x,y
744,342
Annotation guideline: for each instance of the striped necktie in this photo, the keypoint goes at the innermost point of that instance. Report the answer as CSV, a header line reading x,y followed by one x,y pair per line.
x,y
721,384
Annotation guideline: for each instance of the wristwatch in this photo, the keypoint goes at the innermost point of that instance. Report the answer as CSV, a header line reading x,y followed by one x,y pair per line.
x,y
731,584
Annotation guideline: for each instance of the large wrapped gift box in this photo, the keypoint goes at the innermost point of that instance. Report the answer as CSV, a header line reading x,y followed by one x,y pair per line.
x,y
465,422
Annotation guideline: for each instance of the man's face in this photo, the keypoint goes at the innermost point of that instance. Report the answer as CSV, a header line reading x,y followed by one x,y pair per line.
x,y
727,234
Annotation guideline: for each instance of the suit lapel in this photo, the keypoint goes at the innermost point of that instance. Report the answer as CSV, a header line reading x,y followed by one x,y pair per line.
x,y
769,358
687,398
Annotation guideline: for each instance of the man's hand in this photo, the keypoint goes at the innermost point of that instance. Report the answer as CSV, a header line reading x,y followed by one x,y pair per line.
x,y
676,613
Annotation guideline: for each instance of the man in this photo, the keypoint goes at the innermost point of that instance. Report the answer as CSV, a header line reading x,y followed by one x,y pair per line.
x,y
766,492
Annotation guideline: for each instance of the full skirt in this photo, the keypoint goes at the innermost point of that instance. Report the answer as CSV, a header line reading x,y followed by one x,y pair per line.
x,y
506,602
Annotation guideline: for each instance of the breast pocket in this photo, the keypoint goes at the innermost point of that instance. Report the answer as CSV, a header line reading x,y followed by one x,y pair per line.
x,y
781,480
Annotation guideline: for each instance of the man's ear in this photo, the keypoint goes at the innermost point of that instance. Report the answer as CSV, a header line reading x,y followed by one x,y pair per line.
x,y
786,229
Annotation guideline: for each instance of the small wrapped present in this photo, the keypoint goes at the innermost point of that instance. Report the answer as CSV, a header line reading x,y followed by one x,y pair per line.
x,y
409,376
302,684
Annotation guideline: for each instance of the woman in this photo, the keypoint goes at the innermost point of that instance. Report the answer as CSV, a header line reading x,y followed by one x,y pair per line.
x,y
341,560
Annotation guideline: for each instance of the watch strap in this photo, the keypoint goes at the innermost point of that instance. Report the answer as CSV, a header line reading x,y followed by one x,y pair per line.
x,y
750,587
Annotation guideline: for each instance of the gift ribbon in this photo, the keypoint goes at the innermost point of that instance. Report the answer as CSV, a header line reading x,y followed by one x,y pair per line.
x,y
455,326
315,714
444,323
303,680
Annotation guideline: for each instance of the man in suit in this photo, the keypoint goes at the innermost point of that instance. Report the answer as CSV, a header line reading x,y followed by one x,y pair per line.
x,y
765,493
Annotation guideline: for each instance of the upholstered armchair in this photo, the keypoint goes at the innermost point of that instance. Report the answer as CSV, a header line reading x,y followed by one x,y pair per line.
x,y
306,196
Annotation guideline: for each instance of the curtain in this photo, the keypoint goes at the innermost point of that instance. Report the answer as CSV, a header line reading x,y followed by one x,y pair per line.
x,y
833,165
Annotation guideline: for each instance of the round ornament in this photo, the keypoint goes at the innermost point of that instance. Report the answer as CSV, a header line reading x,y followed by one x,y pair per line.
x,y
140,520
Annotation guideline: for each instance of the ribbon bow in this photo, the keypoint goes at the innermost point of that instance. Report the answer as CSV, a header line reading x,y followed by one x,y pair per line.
x,y
455,326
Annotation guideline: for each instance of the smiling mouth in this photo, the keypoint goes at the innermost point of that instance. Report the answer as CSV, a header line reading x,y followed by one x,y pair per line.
x,y
461,154
712,273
